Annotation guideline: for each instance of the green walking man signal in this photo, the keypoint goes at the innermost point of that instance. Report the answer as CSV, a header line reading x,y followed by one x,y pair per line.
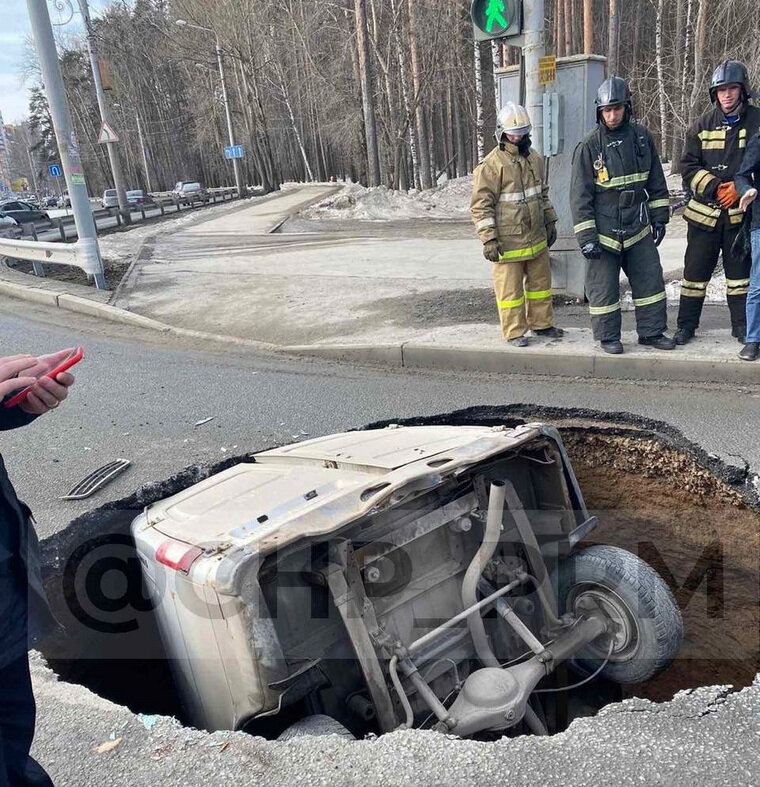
x,y
496,18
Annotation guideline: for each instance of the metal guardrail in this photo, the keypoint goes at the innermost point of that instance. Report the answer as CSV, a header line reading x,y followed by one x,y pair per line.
x,y
82,254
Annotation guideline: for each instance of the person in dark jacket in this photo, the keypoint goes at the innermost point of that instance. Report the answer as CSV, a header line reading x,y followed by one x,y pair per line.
x,y
24,612
620,205
714,147
747,183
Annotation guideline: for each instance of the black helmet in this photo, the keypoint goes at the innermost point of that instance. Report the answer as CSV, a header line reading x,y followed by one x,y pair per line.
x,y
730,72
611,92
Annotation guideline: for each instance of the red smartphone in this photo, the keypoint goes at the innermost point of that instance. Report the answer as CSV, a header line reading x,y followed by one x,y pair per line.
x,y
50,370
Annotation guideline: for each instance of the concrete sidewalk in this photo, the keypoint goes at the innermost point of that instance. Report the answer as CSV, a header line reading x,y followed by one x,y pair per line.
x,y
375,293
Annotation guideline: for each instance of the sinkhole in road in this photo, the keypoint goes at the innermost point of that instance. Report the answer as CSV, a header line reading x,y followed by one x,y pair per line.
x,y
689,515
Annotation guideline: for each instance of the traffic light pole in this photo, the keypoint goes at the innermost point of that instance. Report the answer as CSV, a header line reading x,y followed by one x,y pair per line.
x,y
68,147
105,115
534,47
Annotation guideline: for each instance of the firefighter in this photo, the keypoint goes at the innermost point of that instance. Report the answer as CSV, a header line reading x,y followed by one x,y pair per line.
x,y
517,224
619,200
712,153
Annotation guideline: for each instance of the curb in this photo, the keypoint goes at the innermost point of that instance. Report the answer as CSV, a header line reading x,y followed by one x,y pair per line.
x,y
409,355
104,311
507,361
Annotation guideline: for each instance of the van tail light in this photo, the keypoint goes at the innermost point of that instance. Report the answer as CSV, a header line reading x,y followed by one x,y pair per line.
x,y
177,556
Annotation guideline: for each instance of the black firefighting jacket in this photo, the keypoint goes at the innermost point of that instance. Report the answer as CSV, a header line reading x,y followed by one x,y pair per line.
x,y
712,154
618,189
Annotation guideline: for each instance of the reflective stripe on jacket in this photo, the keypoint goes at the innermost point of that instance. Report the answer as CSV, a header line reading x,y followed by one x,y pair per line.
x,y
511,202
618,188
712,153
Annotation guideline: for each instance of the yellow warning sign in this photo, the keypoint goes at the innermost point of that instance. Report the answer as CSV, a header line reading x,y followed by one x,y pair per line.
x,y
547,69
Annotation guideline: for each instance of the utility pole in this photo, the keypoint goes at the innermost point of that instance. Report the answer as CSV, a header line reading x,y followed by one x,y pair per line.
x,y
105,114
66,137
241,189
144,153
533,49
228,112
31,169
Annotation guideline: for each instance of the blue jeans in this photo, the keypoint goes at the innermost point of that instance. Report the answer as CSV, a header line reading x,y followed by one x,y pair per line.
x,y
753,295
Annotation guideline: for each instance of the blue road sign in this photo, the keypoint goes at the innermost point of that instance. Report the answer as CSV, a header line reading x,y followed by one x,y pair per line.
x,y
234,151
55,171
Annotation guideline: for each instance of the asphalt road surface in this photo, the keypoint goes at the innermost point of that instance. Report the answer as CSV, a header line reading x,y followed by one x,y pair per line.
x,y
139,395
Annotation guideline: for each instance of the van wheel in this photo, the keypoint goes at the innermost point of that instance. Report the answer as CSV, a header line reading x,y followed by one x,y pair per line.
x,y
647,622
319,724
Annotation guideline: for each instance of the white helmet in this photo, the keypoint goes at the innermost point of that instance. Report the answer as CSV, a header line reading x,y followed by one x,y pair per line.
x,y
512,119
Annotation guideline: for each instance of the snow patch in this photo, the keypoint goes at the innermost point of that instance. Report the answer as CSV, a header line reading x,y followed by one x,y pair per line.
x,y
716,291
449,200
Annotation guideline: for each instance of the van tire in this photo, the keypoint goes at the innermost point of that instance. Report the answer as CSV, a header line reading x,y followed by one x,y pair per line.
x,y
316,725
650,630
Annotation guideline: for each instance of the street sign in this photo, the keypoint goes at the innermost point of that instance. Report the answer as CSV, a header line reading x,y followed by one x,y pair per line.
x,y
547,69
107,134
55,171
234,151
496,19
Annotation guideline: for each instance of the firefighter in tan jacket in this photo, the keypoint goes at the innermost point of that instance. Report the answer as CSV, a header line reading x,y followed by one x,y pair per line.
x,y
517,224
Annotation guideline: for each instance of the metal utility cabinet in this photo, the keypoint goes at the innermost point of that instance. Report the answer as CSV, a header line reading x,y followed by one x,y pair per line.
x,y
569,115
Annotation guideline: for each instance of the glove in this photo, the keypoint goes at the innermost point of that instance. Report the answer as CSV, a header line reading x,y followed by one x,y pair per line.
x,y
658,231
492,250
551,233
728,196
591,251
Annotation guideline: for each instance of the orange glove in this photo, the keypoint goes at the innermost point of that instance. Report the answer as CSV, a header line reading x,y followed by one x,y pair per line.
x,y
728,196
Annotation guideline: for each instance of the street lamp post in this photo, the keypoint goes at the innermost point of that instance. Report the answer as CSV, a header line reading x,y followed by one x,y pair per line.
x,y
68,146
225,99
105,115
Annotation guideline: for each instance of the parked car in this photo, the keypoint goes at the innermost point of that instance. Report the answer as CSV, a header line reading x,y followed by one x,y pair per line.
x,y
189,190
329,583
23,211
137,197
110,199
64,201
8,226
50,202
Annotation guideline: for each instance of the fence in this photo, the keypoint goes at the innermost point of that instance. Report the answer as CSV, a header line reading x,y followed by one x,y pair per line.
x,y
82,254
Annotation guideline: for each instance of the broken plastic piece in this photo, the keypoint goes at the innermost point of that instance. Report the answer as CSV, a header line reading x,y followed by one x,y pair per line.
x,y
97,479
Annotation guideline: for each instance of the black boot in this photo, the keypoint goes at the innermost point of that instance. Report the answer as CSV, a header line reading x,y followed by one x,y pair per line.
x,y
750,351
518,341
661,342
552,332
684,335
613,347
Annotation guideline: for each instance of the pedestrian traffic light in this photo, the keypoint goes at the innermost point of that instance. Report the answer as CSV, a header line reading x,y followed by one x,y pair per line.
x,y
496,19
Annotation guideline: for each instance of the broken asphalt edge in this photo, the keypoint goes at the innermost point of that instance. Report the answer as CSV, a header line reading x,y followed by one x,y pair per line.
x,y
413,355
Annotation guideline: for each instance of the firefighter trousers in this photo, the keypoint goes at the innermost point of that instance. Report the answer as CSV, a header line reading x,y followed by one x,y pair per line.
x,y
641,264
524,295
702,250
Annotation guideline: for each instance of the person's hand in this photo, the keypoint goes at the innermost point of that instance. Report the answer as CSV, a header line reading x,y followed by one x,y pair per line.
x,y
747,199
492,250
551,233
591,251
658,233
47,392
728,196
15,373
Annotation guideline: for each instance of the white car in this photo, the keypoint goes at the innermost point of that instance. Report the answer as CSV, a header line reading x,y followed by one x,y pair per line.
x,y
8,226
110,199
342,582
